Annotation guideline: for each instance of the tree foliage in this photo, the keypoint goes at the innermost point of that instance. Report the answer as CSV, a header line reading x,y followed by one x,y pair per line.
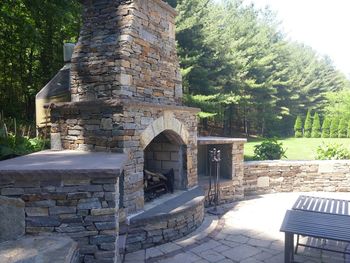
x,y
308,125
298,127
31,40
316,126
333,133
262,81
342,129
326,125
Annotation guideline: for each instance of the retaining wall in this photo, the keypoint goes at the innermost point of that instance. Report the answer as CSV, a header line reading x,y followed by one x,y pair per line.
x,y
296,176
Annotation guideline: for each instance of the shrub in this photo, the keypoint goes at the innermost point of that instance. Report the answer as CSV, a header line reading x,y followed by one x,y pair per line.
x,y
332,152
342,129
269,150
316,127
12,146
298,127
333,133
308,125
326,127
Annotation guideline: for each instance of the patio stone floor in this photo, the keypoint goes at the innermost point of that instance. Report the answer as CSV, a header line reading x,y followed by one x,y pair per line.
x,y
248,232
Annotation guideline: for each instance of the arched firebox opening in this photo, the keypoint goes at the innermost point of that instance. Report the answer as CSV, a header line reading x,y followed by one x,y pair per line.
x,y
165,166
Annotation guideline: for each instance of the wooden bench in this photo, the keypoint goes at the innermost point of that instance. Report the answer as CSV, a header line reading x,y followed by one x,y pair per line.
x,y
316,217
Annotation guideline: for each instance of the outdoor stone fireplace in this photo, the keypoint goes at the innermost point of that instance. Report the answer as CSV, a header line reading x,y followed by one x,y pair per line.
x,y
126,91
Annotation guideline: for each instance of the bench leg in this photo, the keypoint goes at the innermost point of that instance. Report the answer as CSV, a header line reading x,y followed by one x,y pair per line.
x,y
288,247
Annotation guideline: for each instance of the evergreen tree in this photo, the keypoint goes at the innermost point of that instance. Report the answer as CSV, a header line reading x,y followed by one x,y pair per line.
x,y
308,125
316,127
334,127
342,129
326,127
298,127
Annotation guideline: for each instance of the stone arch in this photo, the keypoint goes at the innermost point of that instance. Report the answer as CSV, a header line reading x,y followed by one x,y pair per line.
x,y
166,122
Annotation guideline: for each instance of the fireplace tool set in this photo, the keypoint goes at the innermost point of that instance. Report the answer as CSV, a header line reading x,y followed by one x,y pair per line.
x,y
214,181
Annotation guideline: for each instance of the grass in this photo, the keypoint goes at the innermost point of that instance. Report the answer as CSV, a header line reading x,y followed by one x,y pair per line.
x,y
296,148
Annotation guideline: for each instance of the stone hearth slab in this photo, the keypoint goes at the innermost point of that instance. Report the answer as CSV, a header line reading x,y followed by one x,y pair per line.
x,y
182,202
53,249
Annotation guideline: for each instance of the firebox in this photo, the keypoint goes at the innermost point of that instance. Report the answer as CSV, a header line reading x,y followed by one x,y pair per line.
x,y
165,167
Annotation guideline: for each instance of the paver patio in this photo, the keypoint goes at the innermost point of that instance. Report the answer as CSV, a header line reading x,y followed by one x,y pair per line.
x,y
248,232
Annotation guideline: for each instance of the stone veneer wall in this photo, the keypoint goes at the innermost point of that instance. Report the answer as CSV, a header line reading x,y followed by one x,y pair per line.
x,y
122,126
127,49
83,206
231,189
160,229
294,176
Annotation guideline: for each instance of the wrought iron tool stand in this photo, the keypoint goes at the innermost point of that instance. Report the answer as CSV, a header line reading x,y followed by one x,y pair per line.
x,y
214,176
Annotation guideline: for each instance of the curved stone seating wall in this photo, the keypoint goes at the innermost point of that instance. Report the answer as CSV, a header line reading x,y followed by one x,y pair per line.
x,y
173,220
296,176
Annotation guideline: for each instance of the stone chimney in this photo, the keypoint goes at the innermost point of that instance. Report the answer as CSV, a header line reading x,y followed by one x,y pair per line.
x,y
127,50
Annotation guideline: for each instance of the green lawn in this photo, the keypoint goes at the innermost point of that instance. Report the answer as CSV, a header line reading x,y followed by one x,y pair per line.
x,y
297,148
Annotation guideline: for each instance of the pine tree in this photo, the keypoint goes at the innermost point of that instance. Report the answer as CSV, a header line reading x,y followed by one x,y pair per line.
x,y
342,129
298,127
308,125
326,127
334,128
316,127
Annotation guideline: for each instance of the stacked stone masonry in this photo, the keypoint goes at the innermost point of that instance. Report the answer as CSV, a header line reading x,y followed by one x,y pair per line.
x,y
127,49
163,229
231,183
83,206
296,176
122,126
126,88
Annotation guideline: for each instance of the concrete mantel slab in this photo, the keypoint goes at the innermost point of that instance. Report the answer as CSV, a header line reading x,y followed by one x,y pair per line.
x,y
219,140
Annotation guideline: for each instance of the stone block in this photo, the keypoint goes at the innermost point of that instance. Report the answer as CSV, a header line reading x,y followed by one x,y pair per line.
x,y
37,211
100,239
91,203
12,218
263,181
57,210
43,221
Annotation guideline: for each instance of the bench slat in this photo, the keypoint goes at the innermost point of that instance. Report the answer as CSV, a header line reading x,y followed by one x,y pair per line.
x,y
322,205
335,227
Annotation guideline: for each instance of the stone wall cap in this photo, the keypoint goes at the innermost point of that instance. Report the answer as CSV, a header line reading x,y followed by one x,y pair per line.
x,y
120,102
295,162
161,106
203,140
166,6
86,103
65,162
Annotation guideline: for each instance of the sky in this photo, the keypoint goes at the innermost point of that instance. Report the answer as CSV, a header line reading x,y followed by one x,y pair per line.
x,y
322,24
